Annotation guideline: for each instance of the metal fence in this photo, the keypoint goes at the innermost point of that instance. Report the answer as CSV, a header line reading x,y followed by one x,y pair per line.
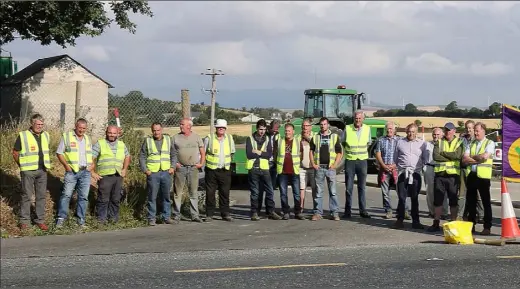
x,y
61,103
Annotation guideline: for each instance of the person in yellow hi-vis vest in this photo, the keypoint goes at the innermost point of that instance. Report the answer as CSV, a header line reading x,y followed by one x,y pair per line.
x,y
478,157
357,138
447,154
31,153
157,160
288,169
325,155
110,164
258,153
220,149
75,154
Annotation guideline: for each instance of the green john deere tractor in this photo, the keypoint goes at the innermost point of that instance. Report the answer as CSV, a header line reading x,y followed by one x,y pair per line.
x,y
337,104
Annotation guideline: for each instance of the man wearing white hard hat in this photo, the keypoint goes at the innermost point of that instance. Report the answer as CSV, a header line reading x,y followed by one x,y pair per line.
x,y
219,148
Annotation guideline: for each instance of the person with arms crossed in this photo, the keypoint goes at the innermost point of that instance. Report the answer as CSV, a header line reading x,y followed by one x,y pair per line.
x,y
447,154
258,152
479,160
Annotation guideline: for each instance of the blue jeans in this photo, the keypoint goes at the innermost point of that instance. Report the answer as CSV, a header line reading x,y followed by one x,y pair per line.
x,y
356,168
81,182
320,177
295,180
159,183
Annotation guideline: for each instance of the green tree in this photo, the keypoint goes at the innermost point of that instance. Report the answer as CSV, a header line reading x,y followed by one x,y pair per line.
x,y
452,106
410,107
297,114
62,22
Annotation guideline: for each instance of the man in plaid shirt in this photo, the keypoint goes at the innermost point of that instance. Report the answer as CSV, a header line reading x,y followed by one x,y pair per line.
x,y
385,149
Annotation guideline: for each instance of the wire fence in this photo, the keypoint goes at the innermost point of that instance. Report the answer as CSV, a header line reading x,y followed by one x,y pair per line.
x,y
62,103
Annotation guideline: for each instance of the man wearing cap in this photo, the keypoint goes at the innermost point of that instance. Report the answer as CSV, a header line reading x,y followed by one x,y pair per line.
x,y
219,152
447,154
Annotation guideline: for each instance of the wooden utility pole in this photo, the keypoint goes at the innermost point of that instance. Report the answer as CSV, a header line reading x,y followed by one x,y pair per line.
x,y
213,73
77,112
186,105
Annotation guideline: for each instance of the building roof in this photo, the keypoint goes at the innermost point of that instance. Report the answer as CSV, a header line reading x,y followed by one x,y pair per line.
x,y
40,65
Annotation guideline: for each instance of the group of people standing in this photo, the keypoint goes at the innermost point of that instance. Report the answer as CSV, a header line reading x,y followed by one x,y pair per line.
x,y
164,159
306,159
457,172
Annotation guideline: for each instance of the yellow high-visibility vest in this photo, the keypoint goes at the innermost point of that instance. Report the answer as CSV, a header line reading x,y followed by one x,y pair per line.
x,y
71,152
332,150
213,152
451,167
154,160
485,169
107,162
295,155
264,164
29,155
357,148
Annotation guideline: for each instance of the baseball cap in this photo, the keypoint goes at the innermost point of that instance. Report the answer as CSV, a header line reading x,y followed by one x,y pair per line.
x,y
449,126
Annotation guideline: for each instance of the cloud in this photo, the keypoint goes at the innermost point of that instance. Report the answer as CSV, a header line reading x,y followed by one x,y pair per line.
x,y
273,45
432,63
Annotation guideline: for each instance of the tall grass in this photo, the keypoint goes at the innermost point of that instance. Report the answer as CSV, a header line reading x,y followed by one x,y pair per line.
x,y
132,208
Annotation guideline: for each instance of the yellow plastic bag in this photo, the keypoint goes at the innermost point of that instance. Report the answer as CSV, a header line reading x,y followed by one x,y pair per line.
x,y
458,232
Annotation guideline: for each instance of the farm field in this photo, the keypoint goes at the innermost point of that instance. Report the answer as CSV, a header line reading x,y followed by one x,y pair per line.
x,y
429,122
238,129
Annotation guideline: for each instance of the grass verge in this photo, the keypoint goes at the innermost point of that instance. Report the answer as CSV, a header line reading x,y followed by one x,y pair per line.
x,y
132,208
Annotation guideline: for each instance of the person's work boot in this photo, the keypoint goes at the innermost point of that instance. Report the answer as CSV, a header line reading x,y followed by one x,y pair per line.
x,y
316,217
435,227
398,224
274,216
255,217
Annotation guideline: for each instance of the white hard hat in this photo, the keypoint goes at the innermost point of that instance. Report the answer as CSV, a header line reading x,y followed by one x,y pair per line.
x,y
221,123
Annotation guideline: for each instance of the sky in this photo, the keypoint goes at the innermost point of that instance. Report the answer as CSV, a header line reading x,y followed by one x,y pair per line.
x,y
424,52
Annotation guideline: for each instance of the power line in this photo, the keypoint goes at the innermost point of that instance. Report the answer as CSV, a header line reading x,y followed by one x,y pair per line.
x,y
213,73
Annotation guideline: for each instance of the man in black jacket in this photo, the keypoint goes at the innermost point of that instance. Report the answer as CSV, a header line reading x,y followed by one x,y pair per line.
x,y
258,152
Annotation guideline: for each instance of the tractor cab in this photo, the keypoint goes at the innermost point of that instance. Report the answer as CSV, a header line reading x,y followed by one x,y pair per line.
x,y
337,104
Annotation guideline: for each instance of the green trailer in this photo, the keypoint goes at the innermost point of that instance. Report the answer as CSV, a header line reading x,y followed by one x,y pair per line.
x,y
337,104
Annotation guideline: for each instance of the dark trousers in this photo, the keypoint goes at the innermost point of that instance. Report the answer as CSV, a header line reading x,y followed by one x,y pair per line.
x,y
217,179
257,179
109,197
355,168
33,182
404,190
477,185
274,183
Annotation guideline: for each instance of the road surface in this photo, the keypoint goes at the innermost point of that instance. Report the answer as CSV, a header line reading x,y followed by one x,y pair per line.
x,y
356,253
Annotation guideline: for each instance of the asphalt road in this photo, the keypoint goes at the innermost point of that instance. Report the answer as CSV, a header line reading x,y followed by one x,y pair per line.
x,y
295,254
379,266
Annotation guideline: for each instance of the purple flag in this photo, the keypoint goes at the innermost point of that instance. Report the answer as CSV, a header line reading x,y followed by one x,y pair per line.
x,y
510,143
